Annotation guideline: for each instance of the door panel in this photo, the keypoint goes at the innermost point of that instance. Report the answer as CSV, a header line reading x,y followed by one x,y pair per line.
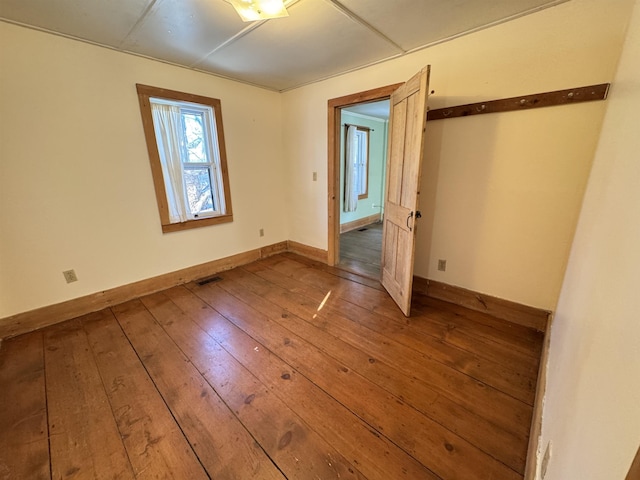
x,y
397,146
407,123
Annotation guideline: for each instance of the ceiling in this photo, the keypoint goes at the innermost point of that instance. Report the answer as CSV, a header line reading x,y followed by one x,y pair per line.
x,y
372,109
319,39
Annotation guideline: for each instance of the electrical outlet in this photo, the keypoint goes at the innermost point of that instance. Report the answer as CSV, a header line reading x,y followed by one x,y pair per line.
x,y
545,461
442,265
70,276
262,232
315,176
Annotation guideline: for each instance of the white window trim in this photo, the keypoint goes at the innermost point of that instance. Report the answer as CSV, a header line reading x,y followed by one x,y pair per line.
x,y
362,163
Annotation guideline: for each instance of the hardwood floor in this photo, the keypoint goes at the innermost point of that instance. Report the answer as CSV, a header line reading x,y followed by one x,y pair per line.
x,y
361,250
284,368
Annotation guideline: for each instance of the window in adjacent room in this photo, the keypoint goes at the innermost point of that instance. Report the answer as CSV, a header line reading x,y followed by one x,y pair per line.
x,y
362,168
185,140
356,177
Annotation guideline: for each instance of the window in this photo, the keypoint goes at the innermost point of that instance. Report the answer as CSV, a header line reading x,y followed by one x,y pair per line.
x,y
356,177
362,162
185,140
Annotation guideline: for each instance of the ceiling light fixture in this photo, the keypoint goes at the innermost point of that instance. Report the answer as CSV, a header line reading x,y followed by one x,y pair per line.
x,y
252,10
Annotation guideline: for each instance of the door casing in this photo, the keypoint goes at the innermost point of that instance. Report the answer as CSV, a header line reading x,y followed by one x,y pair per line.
x,y
335,105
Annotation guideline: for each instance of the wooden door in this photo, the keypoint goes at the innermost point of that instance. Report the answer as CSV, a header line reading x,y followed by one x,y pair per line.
x,y
407,121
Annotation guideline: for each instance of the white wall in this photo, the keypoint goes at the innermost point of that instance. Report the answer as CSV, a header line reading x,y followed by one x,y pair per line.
x,y
75,183
592,406
76,190
502,191
509,189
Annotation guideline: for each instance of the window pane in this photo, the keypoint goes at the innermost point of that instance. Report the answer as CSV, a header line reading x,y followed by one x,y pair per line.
x,y
198,184
362,180
361,167
193,124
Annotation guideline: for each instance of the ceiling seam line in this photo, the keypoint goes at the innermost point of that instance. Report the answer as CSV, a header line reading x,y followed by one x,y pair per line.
x,y
551,4
245,31
136,54
348,13
282,89
138,22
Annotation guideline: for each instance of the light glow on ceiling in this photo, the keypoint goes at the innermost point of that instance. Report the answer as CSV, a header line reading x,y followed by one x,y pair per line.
x,y
252,10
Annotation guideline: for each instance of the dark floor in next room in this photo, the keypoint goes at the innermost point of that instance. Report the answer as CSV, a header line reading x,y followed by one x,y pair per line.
x,y
361,250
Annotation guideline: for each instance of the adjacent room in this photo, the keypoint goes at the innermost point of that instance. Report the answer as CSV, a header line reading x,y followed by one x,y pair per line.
x,y
361,207
343,239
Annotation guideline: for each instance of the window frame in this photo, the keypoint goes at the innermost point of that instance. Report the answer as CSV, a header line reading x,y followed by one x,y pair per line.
x,y
365,166
145,93
210,148
367,133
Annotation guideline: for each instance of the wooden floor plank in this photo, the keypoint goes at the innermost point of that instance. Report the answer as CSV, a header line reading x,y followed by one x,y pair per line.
x,y
375,298
24,443
447,326
220,441
439,322
433,446
361,250
297,450
430,321
517,382
360,268
472,394
85,441
335,271
376,458
523,340
284,368
493,440
154,442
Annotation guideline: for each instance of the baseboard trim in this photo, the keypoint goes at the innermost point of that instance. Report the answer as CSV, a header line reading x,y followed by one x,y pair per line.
x,y
51,314
634,470
361,222
535,433
307,251
504,309
59,312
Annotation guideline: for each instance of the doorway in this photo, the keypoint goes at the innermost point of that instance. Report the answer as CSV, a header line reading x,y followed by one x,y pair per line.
x,y
407,124
335,133
363,155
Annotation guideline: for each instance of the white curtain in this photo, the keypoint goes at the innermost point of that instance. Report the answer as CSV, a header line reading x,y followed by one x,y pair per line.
x,y
350,171
167,125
